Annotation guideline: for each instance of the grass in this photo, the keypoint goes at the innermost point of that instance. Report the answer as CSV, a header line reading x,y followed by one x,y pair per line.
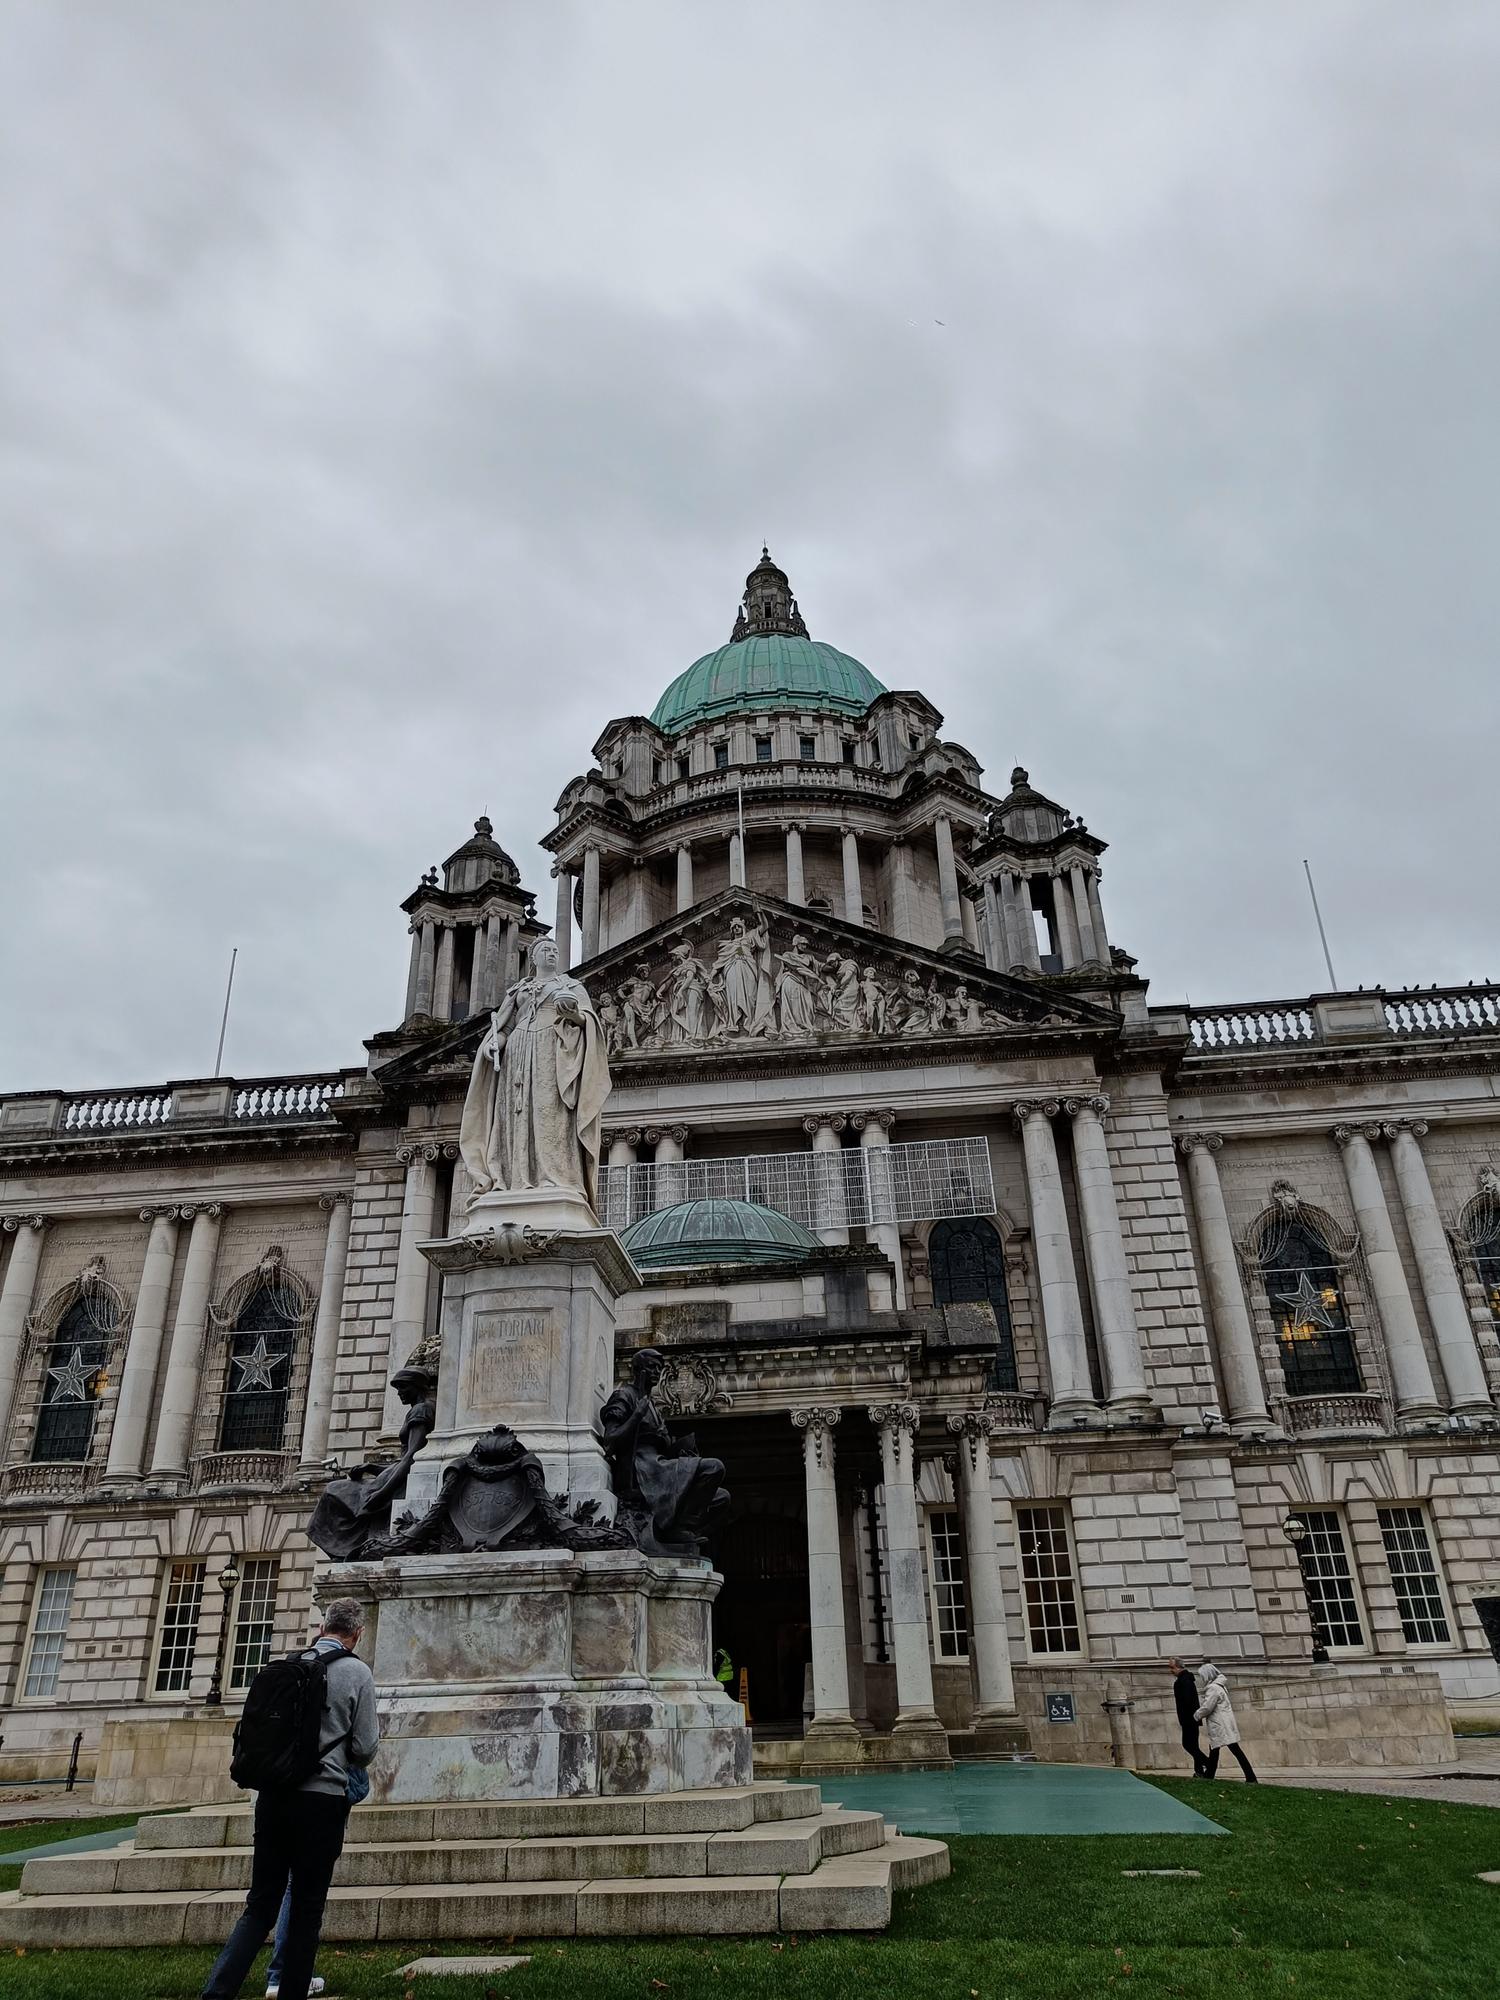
x,y
22,1834
1319,1896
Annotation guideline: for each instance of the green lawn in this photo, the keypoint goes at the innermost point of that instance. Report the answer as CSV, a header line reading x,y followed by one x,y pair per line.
x,y
1328,1896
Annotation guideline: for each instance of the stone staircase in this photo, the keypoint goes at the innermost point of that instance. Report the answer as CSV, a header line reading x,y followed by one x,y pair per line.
x,y
758,1858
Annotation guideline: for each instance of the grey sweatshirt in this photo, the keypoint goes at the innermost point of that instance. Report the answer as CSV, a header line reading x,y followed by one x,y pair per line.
x,y
350,1732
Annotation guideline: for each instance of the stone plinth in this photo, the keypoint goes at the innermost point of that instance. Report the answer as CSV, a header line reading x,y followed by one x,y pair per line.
x,y
543,1675
528,1333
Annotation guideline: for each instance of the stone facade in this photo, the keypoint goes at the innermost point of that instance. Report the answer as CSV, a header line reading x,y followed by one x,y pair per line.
x,y
1103,1292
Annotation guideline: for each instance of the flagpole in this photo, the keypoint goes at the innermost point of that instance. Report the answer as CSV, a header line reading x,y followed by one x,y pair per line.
x,y
1333,984
224,1021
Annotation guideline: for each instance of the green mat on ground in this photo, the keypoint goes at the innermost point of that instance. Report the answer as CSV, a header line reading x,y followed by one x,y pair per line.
x,y
1018,1798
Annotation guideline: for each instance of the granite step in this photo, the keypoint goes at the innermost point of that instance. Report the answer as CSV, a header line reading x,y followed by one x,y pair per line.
x,y
759,1859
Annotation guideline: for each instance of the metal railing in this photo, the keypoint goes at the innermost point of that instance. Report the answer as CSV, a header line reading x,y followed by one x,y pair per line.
x,y
918,1181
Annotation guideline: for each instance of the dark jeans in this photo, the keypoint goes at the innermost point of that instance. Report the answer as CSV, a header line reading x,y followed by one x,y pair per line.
x,y
1211,1768
1191,1745
298,1838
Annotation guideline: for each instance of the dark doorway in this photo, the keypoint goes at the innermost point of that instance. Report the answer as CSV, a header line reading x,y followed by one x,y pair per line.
x,y
761,1618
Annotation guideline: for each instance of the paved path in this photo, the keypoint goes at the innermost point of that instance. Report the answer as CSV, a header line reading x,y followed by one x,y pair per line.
x,y
1473,1781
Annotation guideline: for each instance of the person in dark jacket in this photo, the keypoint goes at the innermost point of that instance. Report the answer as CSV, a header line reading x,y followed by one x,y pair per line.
x,y
1185,1694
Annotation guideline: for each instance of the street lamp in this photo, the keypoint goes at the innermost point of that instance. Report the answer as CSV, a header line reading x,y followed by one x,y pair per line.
x,y
228,1581
1296,1531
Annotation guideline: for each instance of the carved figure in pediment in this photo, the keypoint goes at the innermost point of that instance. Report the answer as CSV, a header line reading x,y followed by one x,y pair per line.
x,y
796,986
967,1011
639,1008
685,997
907,1012
841,991
872,1001
608,1011
742,980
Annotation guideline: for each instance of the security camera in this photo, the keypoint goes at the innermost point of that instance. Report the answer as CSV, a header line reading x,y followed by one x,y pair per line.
x,y
1211,1418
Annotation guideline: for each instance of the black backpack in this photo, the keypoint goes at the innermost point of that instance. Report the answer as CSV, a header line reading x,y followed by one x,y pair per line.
x,y
277,1736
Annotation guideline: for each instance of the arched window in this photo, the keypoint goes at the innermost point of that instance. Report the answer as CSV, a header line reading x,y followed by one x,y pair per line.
x,y
1479,1228
73,1380
967,1261
260,1372
1307,1305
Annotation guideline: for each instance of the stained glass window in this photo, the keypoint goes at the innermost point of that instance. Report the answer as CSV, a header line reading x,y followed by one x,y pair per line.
x,y
260,1371
1312,1321
1414,1572
1486,1253
73,1382
967,1261
1047,1579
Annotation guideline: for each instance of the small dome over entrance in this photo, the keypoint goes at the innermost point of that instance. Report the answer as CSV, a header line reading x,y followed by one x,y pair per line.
x,y
717,1232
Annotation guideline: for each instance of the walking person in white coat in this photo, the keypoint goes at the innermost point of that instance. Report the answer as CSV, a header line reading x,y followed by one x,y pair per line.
x,y
1216,1713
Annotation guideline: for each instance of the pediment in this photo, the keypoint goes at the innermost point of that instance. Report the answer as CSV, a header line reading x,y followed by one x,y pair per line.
x,y
747,970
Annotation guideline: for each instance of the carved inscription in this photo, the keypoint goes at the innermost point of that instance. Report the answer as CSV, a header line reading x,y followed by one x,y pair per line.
x,y
509,1362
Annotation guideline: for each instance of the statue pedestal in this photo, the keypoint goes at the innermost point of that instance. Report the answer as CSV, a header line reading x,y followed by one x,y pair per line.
x,y
528,1339
541,1675
541,1209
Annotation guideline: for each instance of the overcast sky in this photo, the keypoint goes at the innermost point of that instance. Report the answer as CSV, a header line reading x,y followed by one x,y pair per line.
x,y
391,394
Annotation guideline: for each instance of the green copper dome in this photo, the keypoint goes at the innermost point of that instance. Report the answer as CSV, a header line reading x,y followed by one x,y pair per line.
x,y
716,1232
769,662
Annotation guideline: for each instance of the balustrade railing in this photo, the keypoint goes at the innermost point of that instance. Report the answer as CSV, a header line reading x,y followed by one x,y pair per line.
x,y
117,1112
241,1468
1309,1415
256,1100
1453,1010
1268,1025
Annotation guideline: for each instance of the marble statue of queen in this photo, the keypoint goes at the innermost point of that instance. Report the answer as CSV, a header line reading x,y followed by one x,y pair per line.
x,y
536,1096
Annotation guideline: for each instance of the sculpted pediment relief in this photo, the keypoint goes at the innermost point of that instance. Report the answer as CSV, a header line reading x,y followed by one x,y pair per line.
x,y
746,970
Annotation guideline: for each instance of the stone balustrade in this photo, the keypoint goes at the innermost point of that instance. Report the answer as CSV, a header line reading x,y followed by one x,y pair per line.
x,y
39,1115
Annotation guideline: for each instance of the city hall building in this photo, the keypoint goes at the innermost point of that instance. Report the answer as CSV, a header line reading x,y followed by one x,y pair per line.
x,y
1025,1314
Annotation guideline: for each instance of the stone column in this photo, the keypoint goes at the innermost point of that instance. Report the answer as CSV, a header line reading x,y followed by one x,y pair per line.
x,y
442,991
414,976
828,1183
1463,1371
1096,911
736,860
426,966
16,1295
510,965
953,922
1069,948
831,1736
684,876
874,1129
1083,915
854,895
127,1437
996,942
623,1207
1104,1255
917,1732
590,903
180,1392
989,1638
1025,918
409,1300
1239,1364
325,1346
1062,1309
671,1176
796,891
969,917
1411,1377
562,929
490,983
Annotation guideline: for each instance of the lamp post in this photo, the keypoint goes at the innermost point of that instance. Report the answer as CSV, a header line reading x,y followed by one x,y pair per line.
x,y
227,1580
1296,1531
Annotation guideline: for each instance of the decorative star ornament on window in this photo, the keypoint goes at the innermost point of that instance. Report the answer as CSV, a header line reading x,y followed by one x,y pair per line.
x,y
1307,1305
72,1379
257,1368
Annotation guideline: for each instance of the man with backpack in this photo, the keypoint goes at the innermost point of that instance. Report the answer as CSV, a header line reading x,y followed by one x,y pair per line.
x,y
308,1721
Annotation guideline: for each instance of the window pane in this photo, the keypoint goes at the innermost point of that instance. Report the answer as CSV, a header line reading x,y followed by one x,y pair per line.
x,y
1419,1595
49,1628
254,1619
949,1601
1047,1578
179,1628
260,1370
71,1386
807,749
1312,1322
1330,1581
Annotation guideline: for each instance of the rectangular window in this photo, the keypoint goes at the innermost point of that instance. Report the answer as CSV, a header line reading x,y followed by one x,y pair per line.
x,y
762,749
656,770
950,1613
1414,1572
254,1618
49,1628
177,1634
1330,1580
721,756
682,767
807,748
1048,1581
848,750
